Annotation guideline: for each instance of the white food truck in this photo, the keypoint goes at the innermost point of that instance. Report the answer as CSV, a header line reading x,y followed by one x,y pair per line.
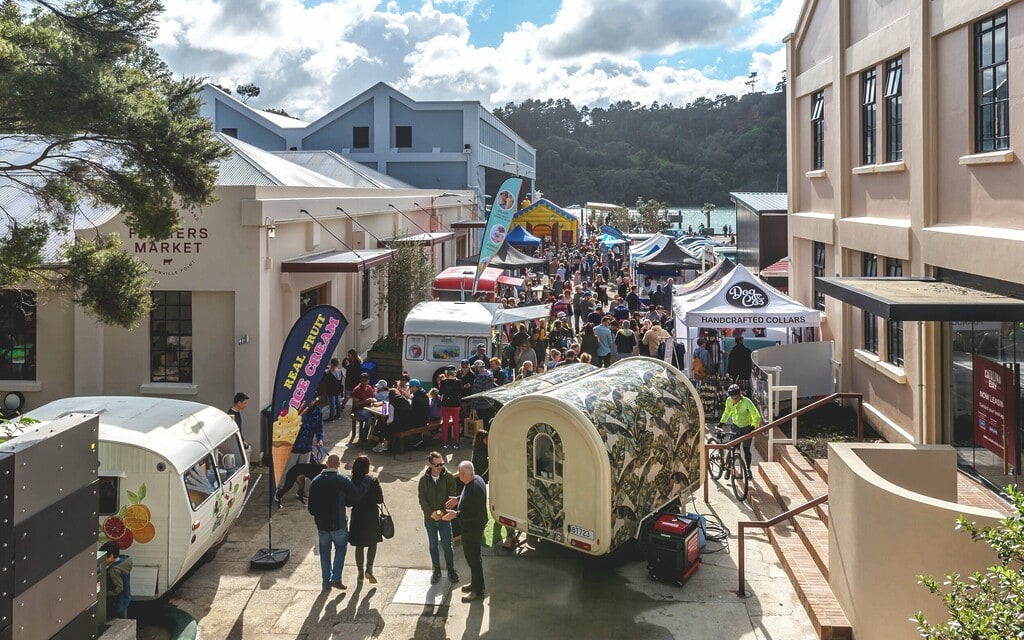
x,y
173,478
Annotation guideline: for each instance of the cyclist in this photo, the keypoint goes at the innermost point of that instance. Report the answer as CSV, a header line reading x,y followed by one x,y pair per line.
x,y
745,416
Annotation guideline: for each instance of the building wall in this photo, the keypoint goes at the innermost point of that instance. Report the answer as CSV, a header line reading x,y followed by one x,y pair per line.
x,y
337,135
430,175
248,129
441,129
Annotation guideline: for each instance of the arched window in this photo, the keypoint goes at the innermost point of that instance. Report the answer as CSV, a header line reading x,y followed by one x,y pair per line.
x,y
544,457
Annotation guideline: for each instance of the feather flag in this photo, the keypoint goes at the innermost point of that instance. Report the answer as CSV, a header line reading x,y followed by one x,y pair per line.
x,y
498,222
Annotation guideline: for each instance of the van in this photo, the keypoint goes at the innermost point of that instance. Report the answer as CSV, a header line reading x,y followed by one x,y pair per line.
x,y
173,478
456,284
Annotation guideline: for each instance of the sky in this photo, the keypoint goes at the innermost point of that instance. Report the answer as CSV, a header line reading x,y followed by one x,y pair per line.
x,y
310,56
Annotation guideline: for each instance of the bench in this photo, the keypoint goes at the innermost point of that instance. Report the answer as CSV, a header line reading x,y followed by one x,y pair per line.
x,y
433,425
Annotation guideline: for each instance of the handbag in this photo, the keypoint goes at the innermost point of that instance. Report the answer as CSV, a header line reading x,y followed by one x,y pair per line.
x,y
472,424
387,524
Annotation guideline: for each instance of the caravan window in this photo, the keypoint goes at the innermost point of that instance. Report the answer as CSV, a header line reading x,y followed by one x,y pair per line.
x,y
109,495
229,456
445,349
201,481
544,457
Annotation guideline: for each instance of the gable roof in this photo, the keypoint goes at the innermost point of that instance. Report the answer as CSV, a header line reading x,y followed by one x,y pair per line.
x,y
343,170
547,204
761,201
209,91
252,166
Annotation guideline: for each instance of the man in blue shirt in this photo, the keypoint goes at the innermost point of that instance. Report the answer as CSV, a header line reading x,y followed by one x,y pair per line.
x,y
605,342
327,496
311,432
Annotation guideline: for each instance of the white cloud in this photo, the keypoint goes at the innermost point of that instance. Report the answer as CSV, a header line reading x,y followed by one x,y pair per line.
x,y
310,60
773,27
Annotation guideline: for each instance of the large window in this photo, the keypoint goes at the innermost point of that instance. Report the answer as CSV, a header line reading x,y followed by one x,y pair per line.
x,y
894,328
991,93
17,335
869,269
868,118
311,298
819,272
170,332
894,110
818,130
365,295
360,137
403,137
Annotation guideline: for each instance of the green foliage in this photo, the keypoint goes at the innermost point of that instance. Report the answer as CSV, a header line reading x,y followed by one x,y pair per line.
x,y
247,91
679,155
110,281
652,217
280,112
619,218
101,120
990,605
403,283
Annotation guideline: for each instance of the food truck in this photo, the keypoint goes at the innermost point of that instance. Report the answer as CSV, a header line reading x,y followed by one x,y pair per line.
x,y
172,480
585,462
456,283
439,334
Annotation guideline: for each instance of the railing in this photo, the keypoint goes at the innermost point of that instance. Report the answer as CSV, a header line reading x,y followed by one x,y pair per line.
x,y
784,419
764,524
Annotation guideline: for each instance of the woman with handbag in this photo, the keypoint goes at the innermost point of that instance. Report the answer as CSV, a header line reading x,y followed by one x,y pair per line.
x,y
364,527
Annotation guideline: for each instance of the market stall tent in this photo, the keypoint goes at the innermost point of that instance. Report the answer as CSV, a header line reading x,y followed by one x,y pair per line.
x,y
649,245
545,219
522,237
670,257
508,258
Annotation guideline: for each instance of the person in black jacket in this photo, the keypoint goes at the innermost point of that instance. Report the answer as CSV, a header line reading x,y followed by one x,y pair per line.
x,y
327,494
410,413
451,407
470,508
434,489
740,363
364,530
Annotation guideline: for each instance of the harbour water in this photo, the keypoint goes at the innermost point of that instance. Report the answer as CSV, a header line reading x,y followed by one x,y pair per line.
x,y
683,217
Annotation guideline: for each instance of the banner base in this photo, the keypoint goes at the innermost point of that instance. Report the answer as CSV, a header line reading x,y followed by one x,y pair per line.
x,y
269,559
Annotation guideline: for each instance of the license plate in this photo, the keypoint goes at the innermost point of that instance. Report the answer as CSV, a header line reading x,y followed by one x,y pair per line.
x,y
580,532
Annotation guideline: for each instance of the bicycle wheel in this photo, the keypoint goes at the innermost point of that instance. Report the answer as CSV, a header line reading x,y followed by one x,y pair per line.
x,y
738,473
716,464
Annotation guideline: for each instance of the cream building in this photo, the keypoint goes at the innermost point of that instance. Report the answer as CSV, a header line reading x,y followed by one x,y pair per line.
x,y
231,282
904,118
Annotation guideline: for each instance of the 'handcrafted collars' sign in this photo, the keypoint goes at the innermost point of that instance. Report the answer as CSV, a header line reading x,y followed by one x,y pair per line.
x,y
720,320
747,295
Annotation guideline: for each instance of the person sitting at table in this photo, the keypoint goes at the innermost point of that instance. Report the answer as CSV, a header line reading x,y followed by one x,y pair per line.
x,y
362,397
410,413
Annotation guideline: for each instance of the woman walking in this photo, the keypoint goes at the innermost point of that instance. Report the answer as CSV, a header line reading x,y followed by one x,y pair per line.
x,y
364,526
353,366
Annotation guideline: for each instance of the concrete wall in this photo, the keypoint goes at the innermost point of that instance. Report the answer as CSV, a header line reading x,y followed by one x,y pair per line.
x,y
337,135
430,129
884,501
248,129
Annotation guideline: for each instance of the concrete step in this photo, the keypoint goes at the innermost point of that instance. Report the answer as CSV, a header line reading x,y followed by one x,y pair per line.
x,y
821,464
810,583
804,474
808,525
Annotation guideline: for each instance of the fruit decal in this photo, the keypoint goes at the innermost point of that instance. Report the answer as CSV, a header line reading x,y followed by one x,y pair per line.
x,y
225,502
131,524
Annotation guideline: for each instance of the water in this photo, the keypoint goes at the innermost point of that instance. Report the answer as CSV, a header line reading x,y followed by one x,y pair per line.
x,y
695,216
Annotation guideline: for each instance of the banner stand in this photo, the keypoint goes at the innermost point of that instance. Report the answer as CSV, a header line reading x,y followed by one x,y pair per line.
x,y
269,557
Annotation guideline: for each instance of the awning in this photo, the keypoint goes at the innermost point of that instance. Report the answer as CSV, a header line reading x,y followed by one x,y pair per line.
x,y
468,224
509,280
778,269
521,314
425,239
338,261
922,299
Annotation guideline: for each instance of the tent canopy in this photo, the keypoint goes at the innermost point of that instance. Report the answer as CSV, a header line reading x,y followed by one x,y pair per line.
x,y
650,245
507,258
519,235
706,279
741,299
669,257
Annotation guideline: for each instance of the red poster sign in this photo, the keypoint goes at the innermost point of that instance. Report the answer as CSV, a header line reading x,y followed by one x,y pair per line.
x,y
995,408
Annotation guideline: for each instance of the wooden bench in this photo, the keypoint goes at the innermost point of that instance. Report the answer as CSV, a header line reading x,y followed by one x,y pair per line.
x,y
433,425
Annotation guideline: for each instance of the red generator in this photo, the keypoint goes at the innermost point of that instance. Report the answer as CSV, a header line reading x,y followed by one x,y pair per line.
x,y
673,548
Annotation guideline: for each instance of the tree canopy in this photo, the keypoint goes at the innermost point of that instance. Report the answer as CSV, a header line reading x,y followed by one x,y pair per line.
x,y
89,114
679,155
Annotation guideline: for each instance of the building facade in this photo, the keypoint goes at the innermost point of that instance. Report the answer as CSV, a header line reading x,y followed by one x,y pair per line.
x,y
904,211
445,145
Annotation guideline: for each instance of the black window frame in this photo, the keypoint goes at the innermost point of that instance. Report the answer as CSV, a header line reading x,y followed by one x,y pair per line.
x,y
893,97
309,298
991,59
818,130
18,331
869,117
403,136
819,272
894,328
365,293
869,269
170,335
360,137
231,132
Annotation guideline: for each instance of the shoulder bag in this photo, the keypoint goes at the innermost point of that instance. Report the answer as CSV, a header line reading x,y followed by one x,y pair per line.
x,y
387,524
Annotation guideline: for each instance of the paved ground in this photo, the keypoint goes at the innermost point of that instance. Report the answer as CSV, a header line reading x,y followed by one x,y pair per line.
x,y
547,592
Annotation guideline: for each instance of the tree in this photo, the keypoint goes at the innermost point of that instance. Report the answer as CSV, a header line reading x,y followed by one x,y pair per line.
x,y
280,112
97,118
707,209
990,605
247,91
402,283
653,216
618,218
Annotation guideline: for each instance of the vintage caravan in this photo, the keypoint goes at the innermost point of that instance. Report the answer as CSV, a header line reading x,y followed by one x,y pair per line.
x,y
585,462
172,479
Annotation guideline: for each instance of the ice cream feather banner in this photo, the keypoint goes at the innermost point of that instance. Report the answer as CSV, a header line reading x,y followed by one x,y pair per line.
x,y
498,222
307,350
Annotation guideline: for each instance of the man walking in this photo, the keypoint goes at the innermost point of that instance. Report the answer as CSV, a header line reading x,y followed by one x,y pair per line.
x,y
471,509
327,496
740,364
605,342
435,487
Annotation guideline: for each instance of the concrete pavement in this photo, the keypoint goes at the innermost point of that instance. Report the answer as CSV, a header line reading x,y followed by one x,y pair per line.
x,y
543,592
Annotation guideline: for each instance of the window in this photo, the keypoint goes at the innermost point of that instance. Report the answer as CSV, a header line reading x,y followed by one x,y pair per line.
x,y
818,130
201,481
109,493
819,272
17,335
544,457
366,295
360,137
170,332
991,93
311,298
868,118
869,269
229,456
403,137
894,110
894,328
230,131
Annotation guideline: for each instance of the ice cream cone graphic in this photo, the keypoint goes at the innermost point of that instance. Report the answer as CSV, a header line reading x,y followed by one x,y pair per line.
x,y
285,430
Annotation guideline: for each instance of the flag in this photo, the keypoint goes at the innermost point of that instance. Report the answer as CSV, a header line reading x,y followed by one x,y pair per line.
x,y
498,222
307,350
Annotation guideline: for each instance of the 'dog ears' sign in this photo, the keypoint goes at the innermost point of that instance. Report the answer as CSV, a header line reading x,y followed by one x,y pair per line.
x,y
747,295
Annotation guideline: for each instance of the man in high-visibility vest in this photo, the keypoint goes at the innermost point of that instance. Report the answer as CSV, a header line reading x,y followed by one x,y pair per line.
x,y
745,416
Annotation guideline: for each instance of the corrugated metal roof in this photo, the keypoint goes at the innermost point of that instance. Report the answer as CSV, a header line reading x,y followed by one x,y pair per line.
x,y
343,170
761,202
252,166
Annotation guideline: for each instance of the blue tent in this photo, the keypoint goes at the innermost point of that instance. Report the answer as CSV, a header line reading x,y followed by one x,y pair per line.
x,y
521,236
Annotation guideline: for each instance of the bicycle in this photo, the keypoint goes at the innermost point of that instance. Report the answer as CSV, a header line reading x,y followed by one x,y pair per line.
x,y
729,461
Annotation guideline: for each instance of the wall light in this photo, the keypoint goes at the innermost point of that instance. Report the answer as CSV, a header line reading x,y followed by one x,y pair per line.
x,y
271,229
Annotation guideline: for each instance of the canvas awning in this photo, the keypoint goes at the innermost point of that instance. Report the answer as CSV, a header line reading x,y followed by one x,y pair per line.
x,y
425,239
922,299
669,257
778,269
521,314
519,235
338,261
507,257
468,224
741,299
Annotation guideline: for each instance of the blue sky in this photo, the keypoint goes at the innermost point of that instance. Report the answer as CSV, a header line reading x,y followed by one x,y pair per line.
x,y
309,56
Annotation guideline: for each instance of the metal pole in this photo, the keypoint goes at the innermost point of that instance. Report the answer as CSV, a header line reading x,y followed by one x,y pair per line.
x,y
741,591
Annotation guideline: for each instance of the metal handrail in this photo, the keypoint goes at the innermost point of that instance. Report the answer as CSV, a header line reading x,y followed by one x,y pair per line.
x,y
764,524
784,419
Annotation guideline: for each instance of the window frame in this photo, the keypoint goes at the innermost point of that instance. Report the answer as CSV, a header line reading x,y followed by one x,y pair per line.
x,y
894,328
893,97
318,294
869,116
818,261
208,459
365,310
818,130
869,269
174,341
116,482
19,323
403,131
555,476
991,27
357,133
